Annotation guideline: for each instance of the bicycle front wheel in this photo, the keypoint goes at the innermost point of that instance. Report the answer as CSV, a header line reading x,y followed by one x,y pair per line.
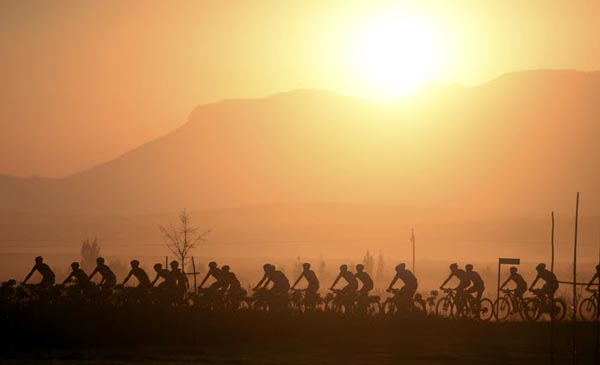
x,y
559,309
443,308
587,310
502,309
531,308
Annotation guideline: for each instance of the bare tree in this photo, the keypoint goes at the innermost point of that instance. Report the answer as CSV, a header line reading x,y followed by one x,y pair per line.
x,y
369,262
182,239
90,250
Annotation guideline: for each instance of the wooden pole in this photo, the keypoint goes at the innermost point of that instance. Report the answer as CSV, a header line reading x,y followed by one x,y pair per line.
x,y
166,262
574,318
194,268
412,238
552,317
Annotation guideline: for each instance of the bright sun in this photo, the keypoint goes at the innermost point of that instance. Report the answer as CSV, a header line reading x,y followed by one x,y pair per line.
x,y
397,54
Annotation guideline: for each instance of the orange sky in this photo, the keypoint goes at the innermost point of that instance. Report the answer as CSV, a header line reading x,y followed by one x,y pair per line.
x,y
83,82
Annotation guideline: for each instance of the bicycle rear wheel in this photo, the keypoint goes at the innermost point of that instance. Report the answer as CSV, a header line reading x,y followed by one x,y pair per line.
x,y
486,309
443,308
587,309
502,309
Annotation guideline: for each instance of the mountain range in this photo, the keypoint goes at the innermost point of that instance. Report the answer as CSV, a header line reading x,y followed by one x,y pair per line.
x,y
519,145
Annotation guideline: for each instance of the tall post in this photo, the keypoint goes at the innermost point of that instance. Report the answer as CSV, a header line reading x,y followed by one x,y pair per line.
x,y
574,319
552,270
412,238
194,268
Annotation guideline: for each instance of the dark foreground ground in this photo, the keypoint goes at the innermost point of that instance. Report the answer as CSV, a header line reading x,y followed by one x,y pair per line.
x,y
75,336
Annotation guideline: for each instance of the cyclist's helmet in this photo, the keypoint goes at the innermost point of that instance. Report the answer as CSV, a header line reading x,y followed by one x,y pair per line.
x,y
75,265
268,267
454,266
39,259
100,260
135,263
513,270
157,267
400,267
306,266
225,268
212,264
360,267
344,268
540,267
174,264
469,267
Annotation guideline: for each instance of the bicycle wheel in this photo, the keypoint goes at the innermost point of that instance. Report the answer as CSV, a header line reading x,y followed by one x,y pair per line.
x,y
373,309
559,310
502,309
587,309
486,309
418,307
531,308
389,308
443,308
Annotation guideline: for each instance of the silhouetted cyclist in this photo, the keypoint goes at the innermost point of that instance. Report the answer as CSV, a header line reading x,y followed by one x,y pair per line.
x,y
140,275
596,276
410,282
463,283
109,279
180,277
231,284
216,273
477,285
550,281
365,279
310,276
349,277
169,282
281,284
77,274
48,276
520,289
265,279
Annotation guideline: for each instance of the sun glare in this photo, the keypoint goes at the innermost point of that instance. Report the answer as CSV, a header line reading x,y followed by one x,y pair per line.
x,y
396,55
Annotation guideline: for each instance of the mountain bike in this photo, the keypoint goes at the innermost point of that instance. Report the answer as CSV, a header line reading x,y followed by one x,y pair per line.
x,y
508,305
399,305
539,305
588,308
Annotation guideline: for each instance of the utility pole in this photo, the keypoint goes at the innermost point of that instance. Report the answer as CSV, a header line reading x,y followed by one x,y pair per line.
x,y
574,319
412,239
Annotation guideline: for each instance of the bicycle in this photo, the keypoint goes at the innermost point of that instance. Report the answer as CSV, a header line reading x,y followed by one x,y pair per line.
x,y
538,305
340,302
398,304
507,305
588,308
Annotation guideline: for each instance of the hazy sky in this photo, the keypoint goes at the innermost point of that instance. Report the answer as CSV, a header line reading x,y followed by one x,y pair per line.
x,y
83,82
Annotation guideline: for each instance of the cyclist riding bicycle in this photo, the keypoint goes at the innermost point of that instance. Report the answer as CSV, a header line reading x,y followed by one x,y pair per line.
x,y
181,279
596,276
109,279
365,279
349,277
48,276
169,282
216,273
521,286
140,275
80,277
550,281
477,285
409,289
281,284
231,284
310,276
463,283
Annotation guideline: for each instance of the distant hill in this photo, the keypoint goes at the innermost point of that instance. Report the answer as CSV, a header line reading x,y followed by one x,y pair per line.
x,y
522,144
